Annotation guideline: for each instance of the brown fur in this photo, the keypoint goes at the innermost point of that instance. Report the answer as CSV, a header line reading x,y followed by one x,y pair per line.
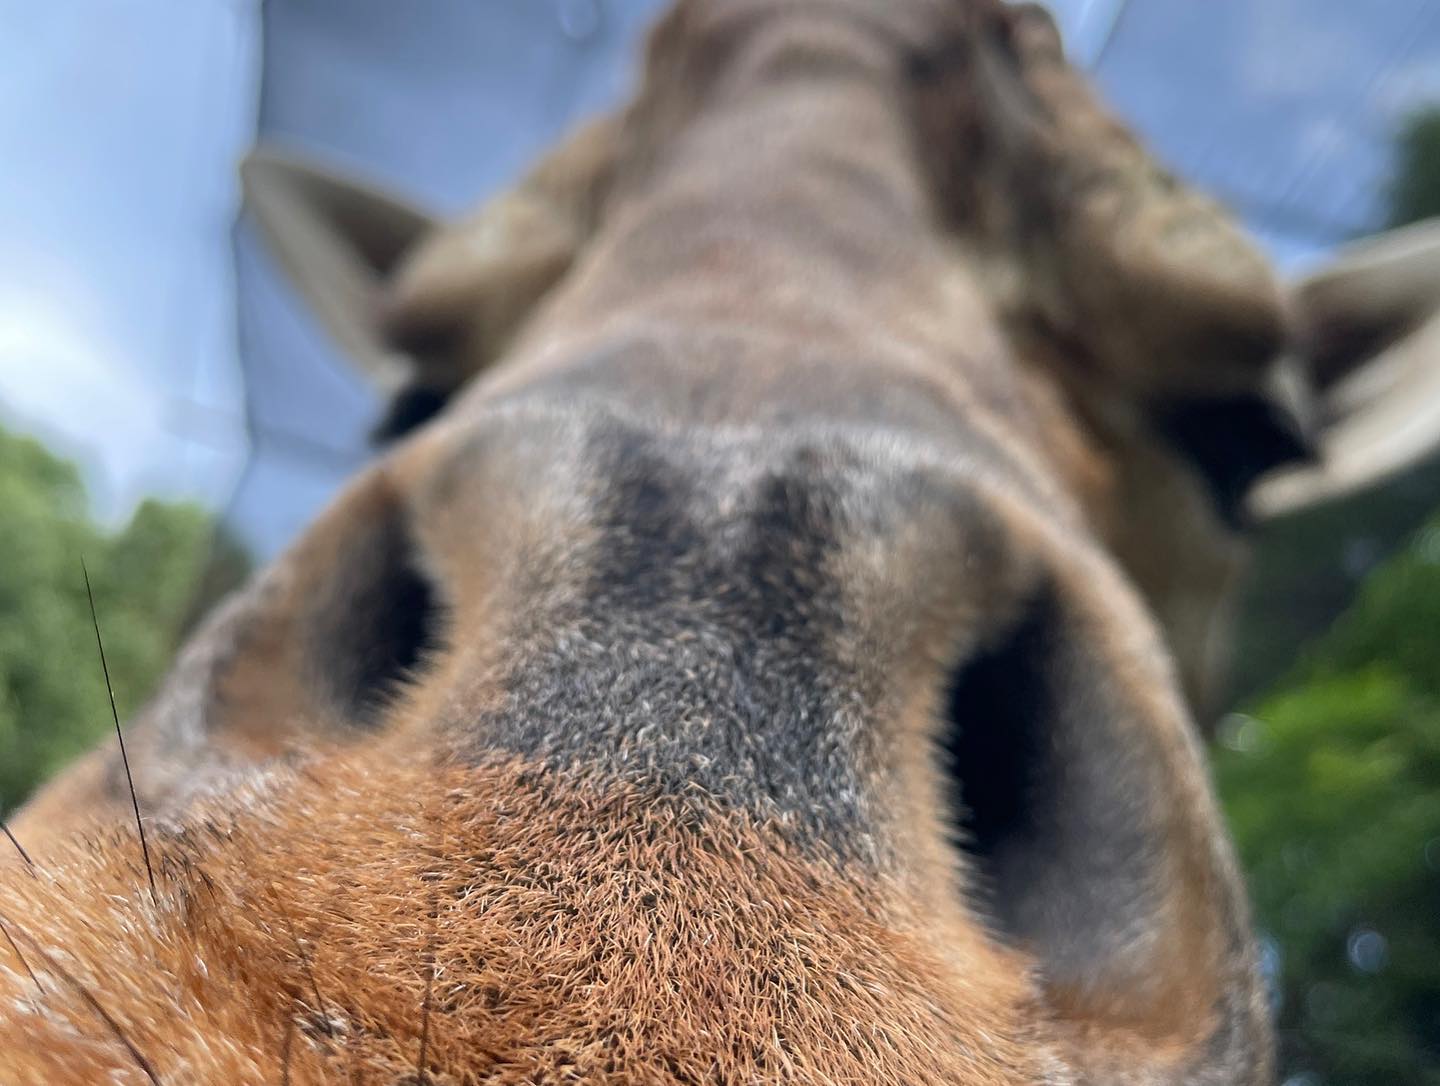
x,y
825,429
561,950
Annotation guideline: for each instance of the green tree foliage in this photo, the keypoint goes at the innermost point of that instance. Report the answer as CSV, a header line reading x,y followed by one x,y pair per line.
x,y
53,704
1333,789
1415,190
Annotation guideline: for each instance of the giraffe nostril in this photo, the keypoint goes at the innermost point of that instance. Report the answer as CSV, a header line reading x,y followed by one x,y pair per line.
x,y
994,742
376,621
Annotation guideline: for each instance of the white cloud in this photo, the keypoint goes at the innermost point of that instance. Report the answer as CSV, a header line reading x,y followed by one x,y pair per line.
x,y
75,391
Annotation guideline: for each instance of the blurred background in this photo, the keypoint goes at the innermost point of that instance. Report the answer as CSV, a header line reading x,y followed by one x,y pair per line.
x,y
168,409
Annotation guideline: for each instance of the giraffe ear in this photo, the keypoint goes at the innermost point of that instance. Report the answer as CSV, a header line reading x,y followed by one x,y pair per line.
x,y
339,240
1370,336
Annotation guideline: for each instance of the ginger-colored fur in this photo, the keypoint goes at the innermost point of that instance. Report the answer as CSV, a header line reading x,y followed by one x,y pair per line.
x,y
566,930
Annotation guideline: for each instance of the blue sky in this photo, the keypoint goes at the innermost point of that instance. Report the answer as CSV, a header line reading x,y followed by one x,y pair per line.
x,y
121,122
119,126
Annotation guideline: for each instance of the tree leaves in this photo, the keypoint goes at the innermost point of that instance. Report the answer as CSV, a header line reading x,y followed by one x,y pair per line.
x,y
52,698
1334,799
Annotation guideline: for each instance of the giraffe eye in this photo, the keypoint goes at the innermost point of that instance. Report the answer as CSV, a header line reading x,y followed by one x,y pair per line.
x,y
412,407
1232,441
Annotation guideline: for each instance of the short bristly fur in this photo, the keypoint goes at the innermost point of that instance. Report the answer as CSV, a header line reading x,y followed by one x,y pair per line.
x,y
585,932
740,677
